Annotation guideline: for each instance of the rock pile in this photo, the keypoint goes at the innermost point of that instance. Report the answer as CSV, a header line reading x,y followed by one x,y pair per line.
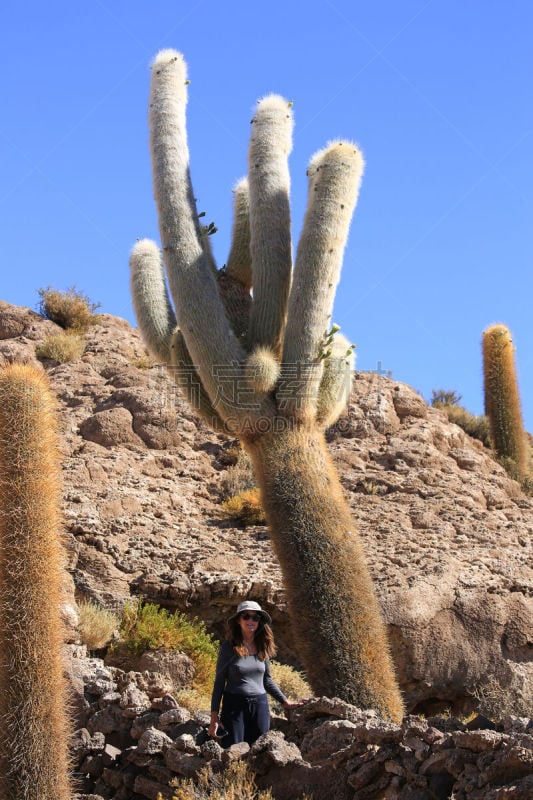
x,y
136,740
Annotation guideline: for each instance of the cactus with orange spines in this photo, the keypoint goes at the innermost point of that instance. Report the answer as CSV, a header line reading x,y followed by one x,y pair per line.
x,y
33,698
502,398
275,374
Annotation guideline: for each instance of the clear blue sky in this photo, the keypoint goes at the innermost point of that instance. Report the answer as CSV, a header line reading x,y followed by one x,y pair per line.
x,y
438,93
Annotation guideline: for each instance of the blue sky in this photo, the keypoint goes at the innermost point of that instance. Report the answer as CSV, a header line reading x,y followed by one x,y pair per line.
x,y
438,94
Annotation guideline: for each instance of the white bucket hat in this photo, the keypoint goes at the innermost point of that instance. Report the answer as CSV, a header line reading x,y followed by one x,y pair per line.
x,y
251,605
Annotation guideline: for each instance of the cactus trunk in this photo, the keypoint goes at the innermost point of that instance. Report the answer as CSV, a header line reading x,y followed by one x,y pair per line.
x,y
336,620
33,735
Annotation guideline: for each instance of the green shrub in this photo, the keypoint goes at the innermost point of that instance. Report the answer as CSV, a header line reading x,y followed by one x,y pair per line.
x,y
147,627
61,347
71,310
96,625
245,507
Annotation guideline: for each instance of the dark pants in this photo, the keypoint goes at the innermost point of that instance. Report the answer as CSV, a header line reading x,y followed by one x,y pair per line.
x,y
244,717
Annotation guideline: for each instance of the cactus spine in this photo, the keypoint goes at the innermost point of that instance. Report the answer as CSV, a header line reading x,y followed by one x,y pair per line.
x,y
34,735
502,398
265,372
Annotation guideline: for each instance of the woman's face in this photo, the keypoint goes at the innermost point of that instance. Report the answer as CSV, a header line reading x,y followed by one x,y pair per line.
x,y
249,622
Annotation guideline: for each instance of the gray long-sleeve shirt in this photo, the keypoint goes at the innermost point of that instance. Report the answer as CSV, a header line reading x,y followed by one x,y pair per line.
x,y
244,675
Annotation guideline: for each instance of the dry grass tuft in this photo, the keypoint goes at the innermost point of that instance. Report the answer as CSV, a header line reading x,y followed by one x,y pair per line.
x,y
291,682
96,625
240,476
61,347
195,700
236,782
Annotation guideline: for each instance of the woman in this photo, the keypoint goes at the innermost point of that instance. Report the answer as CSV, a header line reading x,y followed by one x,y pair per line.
x,y
243,678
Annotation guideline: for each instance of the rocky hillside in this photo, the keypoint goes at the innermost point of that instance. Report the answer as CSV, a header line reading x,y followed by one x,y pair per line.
x,y
136,742
447,533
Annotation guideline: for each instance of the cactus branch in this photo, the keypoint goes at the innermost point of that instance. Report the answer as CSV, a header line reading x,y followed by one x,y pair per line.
x,y
239,264
151,302
192,283
334,179
269,180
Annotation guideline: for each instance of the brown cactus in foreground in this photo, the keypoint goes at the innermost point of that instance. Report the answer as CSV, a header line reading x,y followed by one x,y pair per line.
x,y
33,723
269,368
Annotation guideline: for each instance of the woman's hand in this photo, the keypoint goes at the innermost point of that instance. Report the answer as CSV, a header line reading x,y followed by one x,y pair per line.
x,y
289,704
214,725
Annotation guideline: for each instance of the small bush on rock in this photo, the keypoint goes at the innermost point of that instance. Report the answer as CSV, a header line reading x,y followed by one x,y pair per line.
x,y
96,625
61,347
245,507
71,309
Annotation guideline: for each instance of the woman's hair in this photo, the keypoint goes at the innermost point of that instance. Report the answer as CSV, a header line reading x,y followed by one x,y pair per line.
x,y
264,639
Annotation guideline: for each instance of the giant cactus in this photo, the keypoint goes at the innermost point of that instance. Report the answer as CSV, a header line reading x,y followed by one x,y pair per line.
x,y
270,368
33,722
502,398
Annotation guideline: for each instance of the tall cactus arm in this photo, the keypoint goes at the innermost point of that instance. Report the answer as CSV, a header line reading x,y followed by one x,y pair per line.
x,y
336,383
157,322
239,264
269,181
151,302
334,179
193,286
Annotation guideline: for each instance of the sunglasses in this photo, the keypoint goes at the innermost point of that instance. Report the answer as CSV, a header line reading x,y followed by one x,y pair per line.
x,y
254,617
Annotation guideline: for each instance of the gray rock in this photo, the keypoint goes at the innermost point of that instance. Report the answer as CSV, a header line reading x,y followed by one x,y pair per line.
x,y
183,763
175,716
153,741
